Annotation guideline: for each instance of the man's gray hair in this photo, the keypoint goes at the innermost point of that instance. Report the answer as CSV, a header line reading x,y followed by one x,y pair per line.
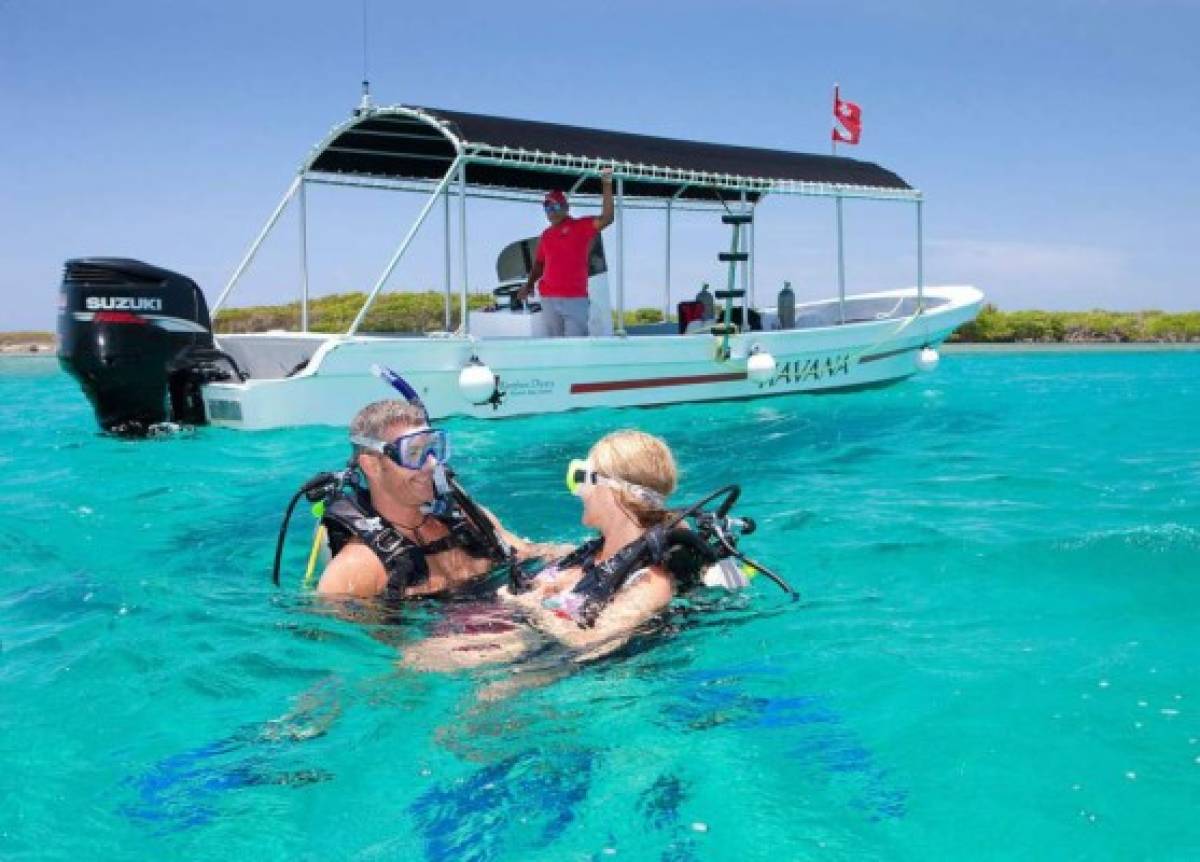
x,y
374,419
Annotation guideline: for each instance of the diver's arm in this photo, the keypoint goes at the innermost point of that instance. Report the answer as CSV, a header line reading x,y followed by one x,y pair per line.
x,y
550,581
542,588
524,548
355,571
543,550
457,652
632,607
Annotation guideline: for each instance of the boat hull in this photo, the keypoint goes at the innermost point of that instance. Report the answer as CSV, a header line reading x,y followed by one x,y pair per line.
x,y
555,375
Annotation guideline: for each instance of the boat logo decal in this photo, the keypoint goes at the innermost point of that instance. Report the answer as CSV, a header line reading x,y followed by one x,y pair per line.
x,y
802,370
124,303
531,386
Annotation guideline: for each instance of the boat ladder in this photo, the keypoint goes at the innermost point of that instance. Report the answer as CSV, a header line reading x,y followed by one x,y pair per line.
x,y
737,254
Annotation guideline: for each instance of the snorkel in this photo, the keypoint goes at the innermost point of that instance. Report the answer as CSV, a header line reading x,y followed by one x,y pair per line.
x,y
442,491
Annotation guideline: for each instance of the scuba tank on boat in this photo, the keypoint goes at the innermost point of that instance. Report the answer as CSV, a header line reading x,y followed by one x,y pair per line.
x,y
785,307
705,298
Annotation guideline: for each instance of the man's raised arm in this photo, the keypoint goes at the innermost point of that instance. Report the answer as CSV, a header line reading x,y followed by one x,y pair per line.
x,y
606,216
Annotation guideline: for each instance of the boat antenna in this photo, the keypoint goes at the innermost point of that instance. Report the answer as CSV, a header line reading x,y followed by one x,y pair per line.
x,y
365,105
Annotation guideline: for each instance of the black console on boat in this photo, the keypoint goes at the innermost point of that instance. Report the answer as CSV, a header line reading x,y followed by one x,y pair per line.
x,y
139,341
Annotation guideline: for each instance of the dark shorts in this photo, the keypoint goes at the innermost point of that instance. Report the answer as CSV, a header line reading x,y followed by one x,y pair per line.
x,y
476,618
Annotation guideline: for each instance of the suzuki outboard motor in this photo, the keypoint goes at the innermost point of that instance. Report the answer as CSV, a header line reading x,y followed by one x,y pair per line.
x,y
139,341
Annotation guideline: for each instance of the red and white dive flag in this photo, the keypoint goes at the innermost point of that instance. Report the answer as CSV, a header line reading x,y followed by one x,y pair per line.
x,y
847,120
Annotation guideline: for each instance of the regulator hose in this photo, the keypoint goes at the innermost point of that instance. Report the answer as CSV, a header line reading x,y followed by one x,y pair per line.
x,y
315,489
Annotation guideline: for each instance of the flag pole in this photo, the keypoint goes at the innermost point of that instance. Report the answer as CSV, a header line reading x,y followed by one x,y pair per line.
x,y
833,134
837,201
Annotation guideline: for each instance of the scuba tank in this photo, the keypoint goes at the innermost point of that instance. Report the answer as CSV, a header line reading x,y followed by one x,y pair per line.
x,y
785,308
705,298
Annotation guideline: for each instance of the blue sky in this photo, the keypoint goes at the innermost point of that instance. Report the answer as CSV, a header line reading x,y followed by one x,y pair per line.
x,y
1058,143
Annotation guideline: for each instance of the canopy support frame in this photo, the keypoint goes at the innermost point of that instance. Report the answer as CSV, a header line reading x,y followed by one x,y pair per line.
x,y
258,241
841,264
447,286
670,210
544,162
620,328
677,181
920,256
464,319
404,244
302,201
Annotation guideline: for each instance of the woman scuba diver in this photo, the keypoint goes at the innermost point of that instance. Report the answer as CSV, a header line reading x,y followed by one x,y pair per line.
x,y
598,596
623,486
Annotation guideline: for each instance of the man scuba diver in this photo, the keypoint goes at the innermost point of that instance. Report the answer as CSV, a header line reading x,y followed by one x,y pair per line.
x,y
398,523
410,530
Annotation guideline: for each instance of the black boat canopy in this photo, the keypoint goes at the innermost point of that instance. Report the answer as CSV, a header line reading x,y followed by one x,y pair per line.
x,y
412,143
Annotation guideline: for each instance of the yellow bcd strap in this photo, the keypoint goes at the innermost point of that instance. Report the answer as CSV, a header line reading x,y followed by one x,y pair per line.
x,y
318,538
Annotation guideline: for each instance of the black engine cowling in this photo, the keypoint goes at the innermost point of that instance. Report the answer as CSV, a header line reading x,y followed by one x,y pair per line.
x,y
139,341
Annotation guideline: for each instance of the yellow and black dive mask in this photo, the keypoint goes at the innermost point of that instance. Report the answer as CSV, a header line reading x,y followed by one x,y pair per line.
x,y
581,474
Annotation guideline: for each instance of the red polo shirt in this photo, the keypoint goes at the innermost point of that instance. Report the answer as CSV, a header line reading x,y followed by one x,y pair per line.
x,y
563,252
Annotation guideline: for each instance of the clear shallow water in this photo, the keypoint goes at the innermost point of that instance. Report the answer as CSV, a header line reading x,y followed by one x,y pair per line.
x,y
996,656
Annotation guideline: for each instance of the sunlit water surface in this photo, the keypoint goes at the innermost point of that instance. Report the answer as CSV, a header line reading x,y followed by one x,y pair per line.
x,y
996,654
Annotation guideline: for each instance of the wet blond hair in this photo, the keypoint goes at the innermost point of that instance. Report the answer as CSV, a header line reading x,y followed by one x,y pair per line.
x,y
641,459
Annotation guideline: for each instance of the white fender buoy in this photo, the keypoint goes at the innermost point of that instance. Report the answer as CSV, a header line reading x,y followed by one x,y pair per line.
x,y
760,367
476,381
927,359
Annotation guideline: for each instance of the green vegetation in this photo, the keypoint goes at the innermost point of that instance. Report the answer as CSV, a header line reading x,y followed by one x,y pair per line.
x,y
639,316
392,312
996,326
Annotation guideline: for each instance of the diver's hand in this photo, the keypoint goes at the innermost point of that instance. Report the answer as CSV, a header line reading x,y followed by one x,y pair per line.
x,y
508,597
529,600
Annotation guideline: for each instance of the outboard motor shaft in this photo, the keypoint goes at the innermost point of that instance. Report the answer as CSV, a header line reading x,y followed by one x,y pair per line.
x,y
139,341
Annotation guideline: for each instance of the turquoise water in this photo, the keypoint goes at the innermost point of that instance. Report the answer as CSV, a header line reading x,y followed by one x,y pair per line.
x,y
996,655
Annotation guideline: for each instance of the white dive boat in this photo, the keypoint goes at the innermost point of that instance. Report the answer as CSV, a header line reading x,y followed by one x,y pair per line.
x,y
139,339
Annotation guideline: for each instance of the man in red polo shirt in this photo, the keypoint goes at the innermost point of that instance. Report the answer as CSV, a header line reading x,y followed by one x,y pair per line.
x,y
561,261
